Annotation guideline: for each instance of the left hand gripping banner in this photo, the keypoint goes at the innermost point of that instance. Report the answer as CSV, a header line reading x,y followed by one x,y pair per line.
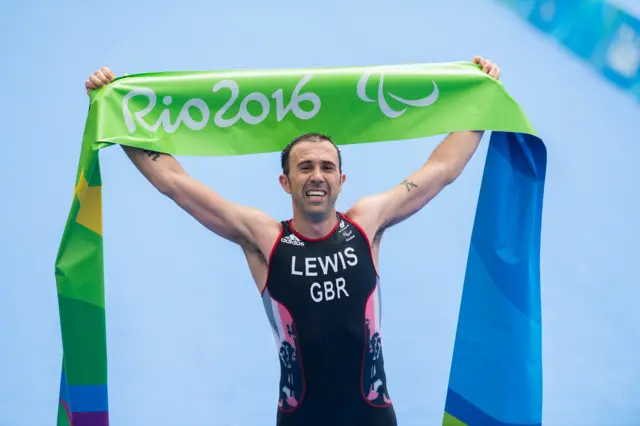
x,y
496,372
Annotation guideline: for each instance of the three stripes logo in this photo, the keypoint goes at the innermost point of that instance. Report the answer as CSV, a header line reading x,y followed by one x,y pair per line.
x,y
292,239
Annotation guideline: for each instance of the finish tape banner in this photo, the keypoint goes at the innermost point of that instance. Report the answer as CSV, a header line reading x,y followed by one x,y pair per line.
x,y
496,373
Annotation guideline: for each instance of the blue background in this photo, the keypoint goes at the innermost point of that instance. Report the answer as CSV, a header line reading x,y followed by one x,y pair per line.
x,y
187,334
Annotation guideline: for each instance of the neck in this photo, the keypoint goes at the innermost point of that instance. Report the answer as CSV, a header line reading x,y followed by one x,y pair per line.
x,y
315,227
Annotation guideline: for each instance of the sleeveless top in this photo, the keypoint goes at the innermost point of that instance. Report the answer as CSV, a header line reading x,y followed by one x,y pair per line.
x,y
322,299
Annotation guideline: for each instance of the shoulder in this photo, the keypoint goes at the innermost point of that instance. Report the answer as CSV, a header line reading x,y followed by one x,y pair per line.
x,y
363,223
366,214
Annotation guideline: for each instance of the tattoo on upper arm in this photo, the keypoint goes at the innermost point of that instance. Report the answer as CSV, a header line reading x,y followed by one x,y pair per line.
x,y
152,154
409,185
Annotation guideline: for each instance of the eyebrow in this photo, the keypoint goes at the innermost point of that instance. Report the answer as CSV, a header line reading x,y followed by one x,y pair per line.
x,y
324,162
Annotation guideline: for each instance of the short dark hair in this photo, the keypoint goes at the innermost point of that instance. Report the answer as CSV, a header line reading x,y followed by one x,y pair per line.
x,y
307,137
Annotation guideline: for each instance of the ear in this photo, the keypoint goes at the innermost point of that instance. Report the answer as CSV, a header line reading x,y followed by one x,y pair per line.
x,y
284,181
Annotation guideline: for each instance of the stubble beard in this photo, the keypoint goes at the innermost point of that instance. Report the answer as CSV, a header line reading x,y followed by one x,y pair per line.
x,y
315,213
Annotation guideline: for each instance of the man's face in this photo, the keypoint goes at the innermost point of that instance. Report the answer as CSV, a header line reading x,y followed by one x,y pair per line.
x,y
314,180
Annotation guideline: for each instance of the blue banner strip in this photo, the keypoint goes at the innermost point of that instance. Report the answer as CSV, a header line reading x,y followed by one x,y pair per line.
x,y
600,33
496,370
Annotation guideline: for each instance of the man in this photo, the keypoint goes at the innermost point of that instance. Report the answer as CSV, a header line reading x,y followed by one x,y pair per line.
x,y
317,273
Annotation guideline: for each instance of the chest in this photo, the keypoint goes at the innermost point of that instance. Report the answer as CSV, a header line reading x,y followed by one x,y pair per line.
x,y
316,275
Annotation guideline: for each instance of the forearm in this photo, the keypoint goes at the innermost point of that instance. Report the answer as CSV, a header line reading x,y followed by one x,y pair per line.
x,y
240,224
156,167
442,168
455,151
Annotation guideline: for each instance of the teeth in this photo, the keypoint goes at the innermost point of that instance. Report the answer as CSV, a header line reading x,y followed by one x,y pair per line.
x,y
315,193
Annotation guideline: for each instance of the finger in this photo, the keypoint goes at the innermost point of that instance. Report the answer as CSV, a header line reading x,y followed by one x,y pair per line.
x,y
495,72
487,66
95,79
478,60
88,85
97,83
92,84
108,73
100,76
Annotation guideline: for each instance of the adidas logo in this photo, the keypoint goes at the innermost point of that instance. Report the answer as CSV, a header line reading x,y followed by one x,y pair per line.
x,y
292,239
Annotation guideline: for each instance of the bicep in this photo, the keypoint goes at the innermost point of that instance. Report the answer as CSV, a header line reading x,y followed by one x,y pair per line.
x,y
381,211
229,220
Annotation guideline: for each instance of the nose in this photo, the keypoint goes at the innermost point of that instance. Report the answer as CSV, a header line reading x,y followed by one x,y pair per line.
x,y
317,177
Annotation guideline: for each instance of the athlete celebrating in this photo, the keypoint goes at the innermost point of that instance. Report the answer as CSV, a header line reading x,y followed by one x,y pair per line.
x,y
317,272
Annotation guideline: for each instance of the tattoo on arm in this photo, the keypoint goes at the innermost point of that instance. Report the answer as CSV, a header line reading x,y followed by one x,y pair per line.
x,y
152,154
409,185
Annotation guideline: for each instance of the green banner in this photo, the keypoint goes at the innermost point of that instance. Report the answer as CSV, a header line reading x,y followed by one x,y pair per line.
x,y
220,113
247,112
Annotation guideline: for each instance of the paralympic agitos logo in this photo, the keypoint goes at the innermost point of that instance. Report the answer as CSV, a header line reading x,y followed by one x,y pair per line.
x,y
382,102
303,104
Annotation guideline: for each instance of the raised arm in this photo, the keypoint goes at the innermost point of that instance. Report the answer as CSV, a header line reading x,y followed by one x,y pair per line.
x,y
243,225
246,226
378,212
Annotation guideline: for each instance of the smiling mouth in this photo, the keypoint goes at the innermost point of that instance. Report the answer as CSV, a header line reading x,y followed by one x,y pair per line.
x,y
316,194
